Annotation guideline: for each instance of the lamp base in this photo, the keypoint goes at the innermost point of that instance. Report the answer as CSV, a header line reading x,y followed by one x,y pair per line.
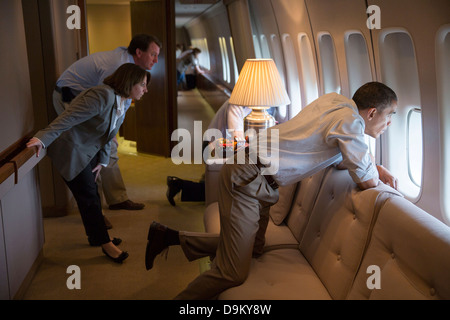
x,y
258,120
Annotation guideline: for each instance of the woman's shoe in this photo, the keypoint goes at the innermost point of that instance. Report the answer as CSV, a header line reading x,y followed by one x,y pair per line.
x,y
119,259
115,241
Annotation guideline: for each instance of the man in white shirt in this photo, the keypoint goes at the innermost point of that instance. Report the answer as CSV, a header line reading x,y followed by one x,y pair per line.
x,y
89,72
328,131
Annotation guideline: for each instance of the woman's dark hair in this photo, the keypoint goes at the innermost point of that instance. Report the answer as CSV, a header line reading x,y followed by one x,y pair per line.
x,y
125,77
142,41
374,94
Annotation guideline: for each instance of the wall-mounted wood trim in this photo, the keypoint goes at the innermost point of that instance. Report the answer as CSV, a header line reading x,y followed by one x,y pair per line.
x,y
14,149
6,171
15,162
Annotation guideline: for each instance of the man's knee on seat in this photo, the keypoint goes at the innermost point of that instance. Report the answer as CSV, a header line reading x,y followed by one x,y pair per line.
x,y
237,277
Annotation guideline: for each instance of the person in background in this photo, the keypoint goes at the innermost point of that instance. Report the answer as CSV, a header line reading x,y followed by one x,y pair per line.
x,y
179,49
186,60
79,143
229,119
328,131
90,71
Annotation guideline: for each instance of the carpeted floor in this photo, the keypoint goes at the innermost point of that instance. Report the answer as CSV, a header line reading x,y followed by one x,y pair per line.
x,y
101,279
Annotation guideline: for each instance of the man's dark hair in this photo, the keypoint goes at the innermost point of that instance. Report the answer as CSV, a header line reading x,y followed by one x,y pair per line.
x,y
142,41
374,95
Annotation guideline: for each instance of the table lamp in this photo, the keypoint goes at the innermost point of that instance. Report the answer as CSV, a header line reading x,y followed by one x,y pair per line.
x,y
259,87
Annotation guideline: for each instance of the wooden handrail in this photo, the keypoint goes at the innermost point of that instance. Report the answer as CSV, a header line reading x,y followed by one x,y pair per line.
x,y
6,171
13,165
25,155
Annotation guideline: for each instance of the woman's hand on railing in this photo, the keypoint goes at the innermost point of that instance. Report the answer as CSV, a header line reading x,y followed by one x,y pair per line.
x,y
35,142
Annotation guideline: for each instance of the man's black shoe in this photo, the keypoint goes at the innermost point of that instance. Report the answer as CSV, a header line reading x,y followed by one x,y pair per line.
x,y
174,186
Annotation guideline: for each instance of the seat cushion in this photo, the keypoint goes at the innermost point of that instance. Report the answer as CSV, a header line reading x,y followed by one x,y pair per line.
x,y
279,236
281,209
282,274
276,236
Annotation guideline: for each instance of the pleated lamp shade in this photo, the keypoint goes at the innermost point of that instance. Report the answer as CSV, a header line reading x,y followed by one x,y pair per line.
x,y
259,85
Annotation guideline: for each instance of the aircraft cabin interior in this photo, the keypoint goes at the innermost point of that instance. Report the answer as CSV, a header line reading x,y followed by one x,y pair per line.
x,y
326,238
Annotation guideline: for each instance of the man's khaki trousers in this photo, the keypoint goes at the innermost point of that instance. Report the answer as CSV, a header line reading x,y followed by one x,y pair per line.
x,y
245,198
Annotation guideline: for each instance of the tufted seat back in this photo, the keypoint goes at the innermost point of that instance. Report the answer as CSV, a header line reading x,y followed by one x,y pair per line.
x,y
295,204
339,229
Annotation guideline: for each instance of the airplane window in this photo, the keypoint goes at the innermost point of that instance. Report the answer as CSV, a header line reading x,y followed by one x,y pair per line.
x,y
225,60
203,58
443,93
206,59
415,146
357,57
308,70
293,84
330,70
258,53
265,51
398,67
276,48
235,67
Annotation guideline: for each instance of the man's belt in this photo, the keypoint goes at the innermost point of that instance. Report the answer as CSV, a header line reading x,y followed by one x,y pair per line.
x,y
66,93
270,180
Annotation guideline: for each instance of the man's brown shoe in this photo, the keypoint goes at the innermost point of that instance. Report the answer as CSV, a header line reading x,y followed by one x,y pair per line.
x,y
127,205
156,243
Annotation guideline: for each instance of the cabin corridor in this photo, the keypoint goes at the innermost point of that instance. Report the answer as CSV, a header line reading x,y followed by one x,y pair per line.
x,y
101,279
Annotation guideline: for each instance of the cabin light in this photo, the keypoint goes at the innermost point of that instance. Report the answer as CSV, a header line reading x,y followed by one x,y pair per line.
x,y
259,87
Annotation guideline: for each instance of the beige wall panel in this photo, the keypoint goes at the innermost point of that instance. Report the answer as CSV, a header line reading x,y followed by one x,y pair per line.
x,y
109,27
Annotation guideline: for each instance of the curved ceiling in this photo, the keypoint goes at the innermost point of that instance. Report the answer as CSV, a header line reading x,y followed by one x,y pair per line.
x,y
185,10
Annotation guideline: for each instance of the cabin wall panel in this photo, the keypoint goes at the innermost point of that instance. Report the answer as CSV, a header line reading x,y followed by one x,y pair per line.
x,y
156,112
292,18
50,52
212,25
241,30
264,23
443,90
267,41
15,88
22,229
4,282
422,20
337,18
